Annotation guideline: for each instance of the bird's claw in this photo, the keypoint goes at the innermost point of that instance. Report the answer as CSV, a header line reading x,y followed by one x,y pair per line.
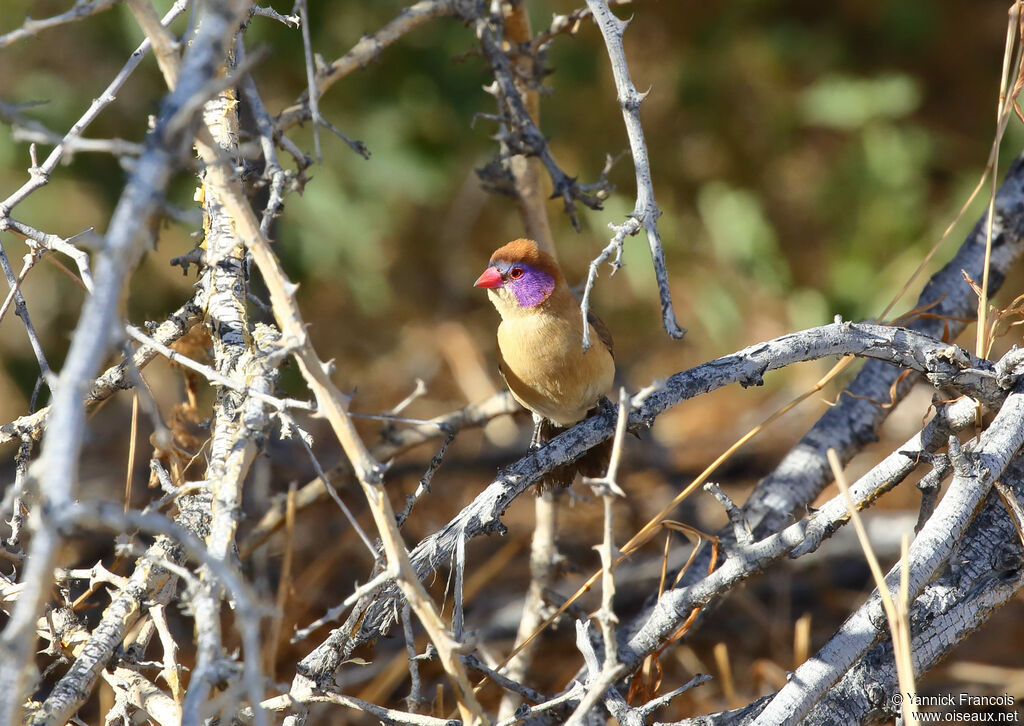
x,y
535,440
608,409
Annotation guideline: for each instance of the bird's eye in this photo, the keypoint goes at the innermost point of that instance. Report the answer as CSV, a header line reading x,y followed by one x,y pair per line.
x,y
515,273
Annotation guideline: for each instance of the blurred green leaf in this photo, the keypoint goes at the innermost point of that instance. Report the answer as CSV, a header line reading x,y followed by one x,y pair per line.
x,y
741,233
845,102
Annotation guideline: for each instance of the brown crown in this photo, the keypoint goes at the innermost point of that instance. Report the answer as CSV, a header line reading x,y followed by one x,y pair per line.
x,y
525,251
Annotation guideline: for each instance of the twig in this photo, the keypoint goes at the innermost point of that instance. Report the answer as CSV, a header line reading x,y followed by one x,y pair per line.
x,y
30,261
148,583
476,414
81,9
17,492
415,698
378,581
424,486
387,715
172,669
645,213
326,483
556,703
655,703
117,377
521,134
313,93
503,680
28,130
291,21
357,146
42,174
55,244
930,484
144,695
543,568
740,528
278,404
265,126
248,610
21,310
603,677
365,51
527,170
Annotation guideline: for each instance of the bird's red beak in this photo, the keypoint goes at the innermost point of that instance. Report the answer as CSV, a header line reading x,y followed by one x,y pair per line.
x,y
490,278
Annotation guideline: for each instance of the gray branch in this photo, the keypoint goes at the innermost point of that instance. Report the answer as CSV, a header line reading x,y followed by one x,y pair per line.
x,y
117,377
57,469
645,213
81,9
851,424
931,549
893,345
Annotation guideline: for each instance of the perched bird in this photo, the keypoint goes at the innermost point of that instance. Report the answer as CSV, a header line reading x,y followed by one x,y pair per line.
x,y
540,350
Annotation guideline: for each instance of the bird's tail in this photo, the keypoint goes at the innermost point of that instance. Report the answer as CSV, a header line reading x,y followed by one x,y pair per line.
x,y
594,463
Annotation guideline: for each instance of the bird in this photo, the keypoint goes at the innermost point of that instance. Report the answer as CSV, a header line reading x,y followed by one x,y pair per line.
x,y
540,350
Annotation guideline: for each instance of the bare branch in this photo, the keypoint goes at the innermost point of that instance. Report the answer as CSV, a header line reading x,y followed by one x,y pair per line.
x,y
852,422
144,695
81,9
930,549
645,214
313,94
366,51
980,580
291,21
115,378
895,345
396,442
40,178
58,464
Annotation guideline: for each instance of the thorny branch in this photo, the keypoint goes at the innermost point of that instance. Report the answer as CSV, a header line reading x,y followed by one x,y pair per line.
x,y
645,214
81,9
56,469
895,345
245,359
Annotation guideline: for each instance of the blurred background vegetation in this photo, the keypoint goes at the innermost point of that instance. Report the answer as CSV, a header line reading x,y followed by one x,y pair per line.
x,y
805,155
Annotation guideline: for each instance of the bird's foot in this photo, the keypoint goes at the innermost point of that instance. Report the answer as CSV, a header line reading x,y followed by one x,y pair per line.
x,y
608,409
535,440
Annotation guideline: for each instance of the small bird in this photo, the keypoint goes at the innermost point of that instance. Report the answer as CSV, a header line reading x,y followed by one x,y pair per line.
x,y
540,349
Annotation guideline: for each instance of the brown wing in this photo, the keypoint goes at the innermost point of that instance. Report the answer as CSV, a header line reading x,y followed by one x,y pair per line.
x,y
501,365
515,386
602,331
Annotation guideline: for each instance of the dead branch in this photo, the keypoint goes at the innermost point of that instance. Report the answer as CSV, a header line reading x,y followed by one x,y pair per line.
x,y
894,345
396,442
115,378
81,9
56,470
645,213
930,550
